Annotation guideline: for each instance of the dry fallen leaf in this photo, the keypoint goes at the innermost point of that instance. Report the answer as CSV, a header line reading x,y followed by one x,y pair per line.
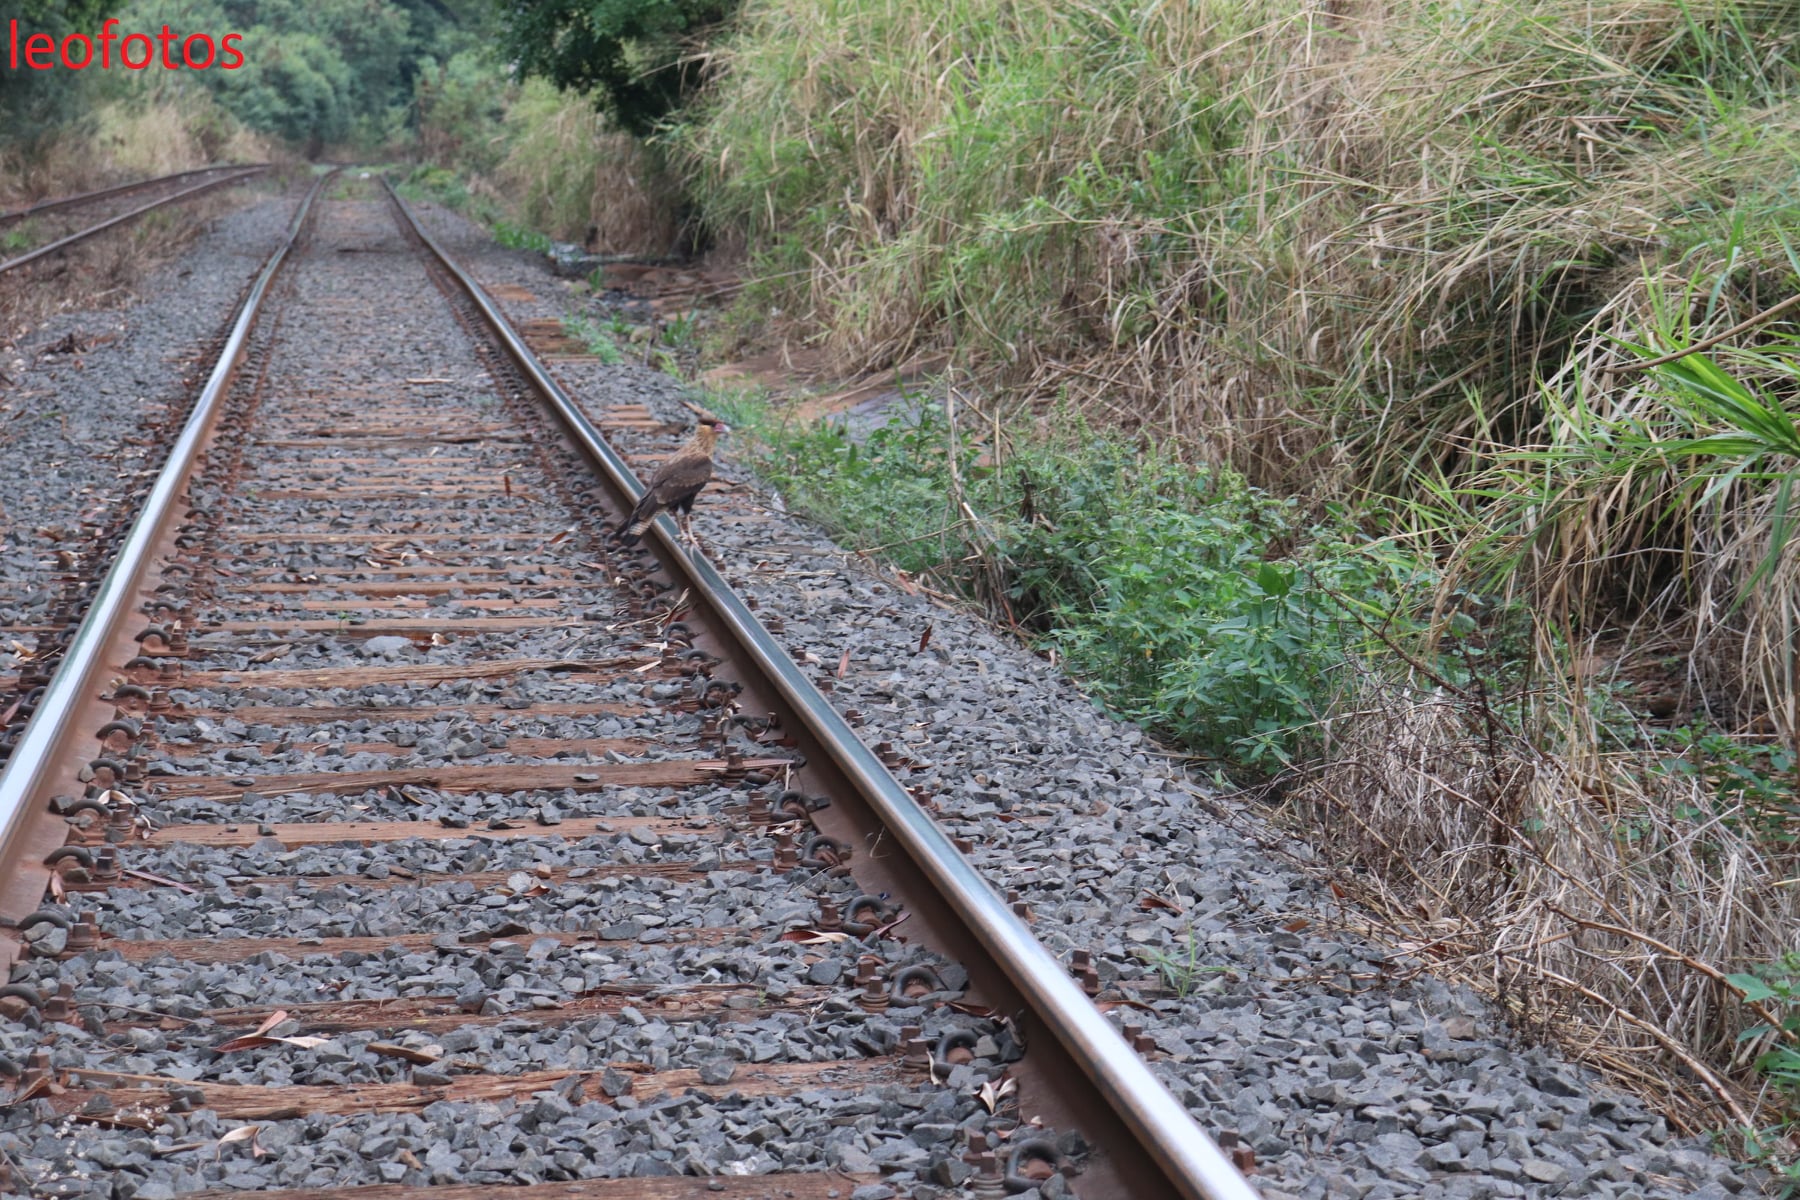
x,y
394,1050
812,937
992,1095
925,639
261,1037
36,1086
243,1133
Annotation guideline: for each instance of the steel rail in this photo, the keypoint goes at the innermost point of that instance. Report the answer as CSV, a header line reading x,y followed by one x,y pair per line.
x,y
80,198
37,753
1191,1162
90,231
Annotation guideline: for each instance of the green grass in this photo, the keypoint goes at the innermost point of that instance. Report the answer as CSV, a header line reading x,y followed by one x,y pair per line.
x,y
444,186
597,338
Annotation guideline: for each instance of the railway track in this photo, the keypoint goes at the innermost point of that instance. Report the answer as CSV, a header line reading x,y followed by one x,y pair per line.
x,y
59,231
384,825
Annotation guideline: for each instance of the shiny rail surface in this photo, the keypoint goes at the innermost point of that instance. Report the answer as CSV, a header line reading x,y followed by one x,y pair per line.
x,y
490,486
102,226
59,203
52,725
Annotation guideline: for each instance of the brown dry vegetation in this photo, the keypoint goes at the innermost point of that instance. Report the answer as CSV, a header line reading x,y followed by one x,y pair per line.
x,y
121,142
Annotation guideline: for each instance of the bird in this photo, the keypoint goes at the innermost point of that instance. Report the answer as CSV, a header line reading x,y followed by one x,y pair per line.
x,y
676,483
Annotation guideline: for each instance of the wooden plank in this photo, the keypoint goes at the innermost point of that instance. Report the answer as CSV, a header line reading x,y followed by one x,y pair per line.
x,y
230,950
251,1102
334,677
401,600
519,493
400,877
491,777
248,536
303,715
329,833
815,1185
529,747
373,440
440,1014
548,573
563,584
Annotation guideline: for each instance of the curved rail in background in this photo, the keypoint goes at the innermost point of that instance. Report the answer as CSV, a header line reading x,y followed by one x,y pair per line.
x,y
37,751
90,231
118,189
1190,1164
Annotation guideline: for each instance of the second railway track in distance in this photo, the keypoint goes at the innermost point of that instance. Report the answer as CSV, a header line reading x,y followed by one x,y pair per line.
x,y
73,219
425,839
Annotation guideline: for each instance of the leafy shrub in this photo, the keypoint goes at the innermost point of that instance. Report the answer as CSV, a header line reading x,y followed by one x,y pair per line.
x,y
635,56
1184,598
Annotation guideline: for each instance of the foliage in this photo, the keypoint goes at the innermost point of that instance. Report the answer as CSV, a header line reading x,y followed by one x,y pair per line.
x,y
1182,597
444,186
33,103
460,104
1776,987
317,73
637,57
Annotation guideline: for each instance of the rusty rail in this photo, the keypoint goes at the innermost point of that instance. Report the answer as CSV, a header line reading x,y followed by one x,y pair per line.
x,y
1186,1161
57,203
51,729
133,214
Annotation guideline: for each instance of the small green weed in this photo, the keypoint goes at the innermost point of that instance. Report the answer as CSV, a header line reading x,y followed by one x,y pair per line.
x,y
1776,986
598,339
1181,968
1750,782
517,237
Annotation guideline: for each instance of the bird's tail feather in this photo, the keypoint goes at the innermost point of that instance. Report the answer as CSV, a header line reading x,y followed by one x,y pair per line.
x,y
632,527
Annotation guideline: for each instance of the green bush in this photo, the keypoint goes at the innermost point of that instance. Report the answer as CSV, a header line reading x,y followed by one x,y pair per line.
x,y
1185,599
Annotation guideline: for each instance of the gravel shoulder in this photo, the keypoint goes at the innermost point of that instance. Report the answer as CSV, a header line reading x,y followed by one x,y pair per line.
x,y
84,398
1346,1070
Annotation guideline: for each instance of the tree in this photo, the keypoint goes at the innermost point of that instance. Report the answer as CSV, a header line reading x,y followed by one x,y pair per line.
x,y
31,102
638,58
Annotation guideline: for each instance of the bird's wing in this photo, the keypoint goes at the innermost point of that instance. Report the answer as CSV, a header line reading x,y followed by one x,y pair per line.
x,y
680,477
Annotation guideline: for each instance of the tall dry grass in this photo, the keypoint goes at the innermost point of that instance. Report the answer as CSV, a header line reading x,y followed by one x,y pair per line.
x,y
131,137
1602,892
566,172
1294,234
